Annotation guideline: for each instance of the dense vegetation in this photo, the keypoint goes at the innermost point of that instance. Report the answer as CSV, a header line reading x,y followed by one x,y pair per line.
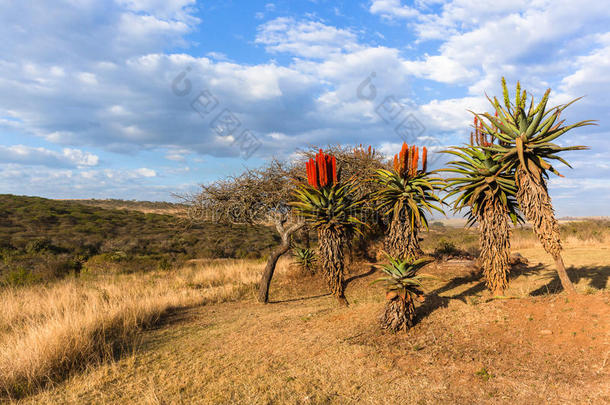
x,y
44,239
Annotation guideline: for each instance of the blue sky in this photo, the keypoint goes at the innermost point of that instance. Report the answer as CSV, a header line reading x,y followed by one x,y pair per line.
x,y
93,104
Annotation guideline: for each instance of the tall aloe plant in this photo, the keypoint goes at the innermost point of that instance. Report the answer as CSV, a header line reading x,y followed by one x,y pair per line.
x,y
407,193
486,189
526,145
332,208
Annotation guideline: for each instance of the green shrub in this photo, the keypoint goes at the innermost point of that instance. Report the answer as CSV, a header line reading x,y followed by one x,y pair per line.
x,y
19,277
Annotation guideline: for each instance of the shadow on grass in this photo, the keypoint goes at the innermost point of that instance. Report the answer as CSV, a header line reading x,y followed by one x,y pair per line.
x,y
372,270
596,275
312,297
435,301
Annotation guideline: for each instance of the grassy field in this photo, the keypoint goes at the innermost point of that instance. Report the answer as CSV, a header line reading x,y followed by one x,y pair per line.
x,y
49,332
540,347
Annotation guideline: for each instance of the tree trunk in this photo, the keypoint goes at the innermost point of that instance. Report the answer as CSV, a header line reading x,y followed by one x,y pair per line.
x,y
494,240
331,242
263,288
563,275
285,233
398,314
402,241
535,202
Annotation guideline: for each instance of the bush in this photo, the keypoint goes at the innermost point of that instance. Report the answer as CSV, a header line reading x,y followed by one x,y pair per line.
x,y
447,249
19,277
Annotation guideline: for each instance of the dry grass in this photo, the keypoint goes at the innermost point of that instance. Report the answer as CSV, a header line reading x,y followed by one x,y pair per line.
x,y
540,347
519,241
48,332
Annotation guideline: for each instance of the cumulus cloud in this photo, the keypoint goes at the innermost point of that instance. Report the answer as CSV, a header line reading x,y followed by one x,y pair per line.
x,y
142,183
310,39
44,157
132,96
392,9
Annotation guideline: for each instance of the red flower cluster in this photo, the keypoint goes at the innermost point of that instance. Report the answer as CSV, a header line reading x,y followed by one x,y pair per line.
x,y
321,171
405,163
480,137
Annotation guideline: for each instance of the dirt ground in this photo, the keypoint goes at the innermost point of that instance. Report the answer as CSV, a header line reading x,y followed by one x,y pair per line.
x,y
536,346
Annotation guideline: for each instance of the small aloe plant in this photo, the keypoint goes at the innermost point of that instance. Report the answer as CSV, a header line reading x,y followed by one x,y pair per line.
x,y
403,286
305,258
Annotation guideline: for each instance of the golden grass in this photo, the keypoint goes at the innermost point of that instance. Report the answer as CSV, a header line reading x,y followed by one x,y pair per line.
x,y
529,240
46,332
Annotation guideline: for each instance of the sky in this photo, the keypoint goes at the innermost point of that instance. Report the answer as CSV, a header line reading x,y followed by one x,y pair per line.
x,y
141,99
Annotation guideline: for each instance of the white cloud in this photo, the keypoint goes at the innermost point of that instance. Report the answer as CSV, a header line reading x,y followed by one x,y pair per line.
x,y
87,78
70,91
167,9
310,39
440,68
85,183
392,9
80,158
144,172
452,114
23,154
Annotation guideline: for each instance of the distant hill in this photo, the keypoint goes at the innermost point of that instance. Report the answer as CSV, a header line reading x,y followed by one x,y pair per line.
x,y
45,239
148,207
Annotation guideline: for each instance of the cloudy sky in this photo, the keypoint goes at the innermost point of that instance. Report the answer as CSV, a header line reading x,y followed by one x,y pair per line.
x,y
137,99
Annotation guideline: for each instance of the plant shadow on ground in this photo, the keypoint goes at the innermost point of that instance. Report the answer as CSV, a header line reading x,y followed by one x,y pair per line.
x,y
371,271
349,280
311,297
597,275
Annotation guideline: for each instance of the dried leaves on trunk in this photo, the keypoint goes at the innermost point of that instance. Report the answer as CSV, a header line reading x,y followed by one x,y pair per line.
x,y
495,247
331,240
399,314
535,203
402,241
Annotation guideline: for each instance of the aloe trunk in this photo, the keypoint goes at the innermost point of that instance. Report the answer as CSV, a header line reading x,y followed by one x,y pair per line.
x,y
402,240
535,203
332,258
399,314
495,247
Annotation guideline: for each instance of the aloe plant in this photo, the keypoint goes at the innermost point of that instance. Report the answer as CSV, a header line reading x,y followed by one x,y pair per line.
x,y
407,194
332,208
526,144
403,286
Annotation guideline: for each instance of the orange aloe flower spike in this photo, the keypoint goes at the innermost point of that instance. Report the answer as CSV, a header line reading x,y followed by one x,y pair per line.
x,y
424,160
415,160
321,168
308,172
404,159
324,180
335,180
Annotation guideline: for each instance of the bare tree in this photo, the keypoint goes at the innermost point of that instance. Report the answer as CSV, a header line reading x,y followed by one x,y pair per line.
x,y
254,197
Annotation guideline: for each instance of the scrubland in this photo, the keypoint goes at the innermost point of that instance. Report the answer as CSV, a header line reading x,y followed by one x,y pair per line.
x,y
192,331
